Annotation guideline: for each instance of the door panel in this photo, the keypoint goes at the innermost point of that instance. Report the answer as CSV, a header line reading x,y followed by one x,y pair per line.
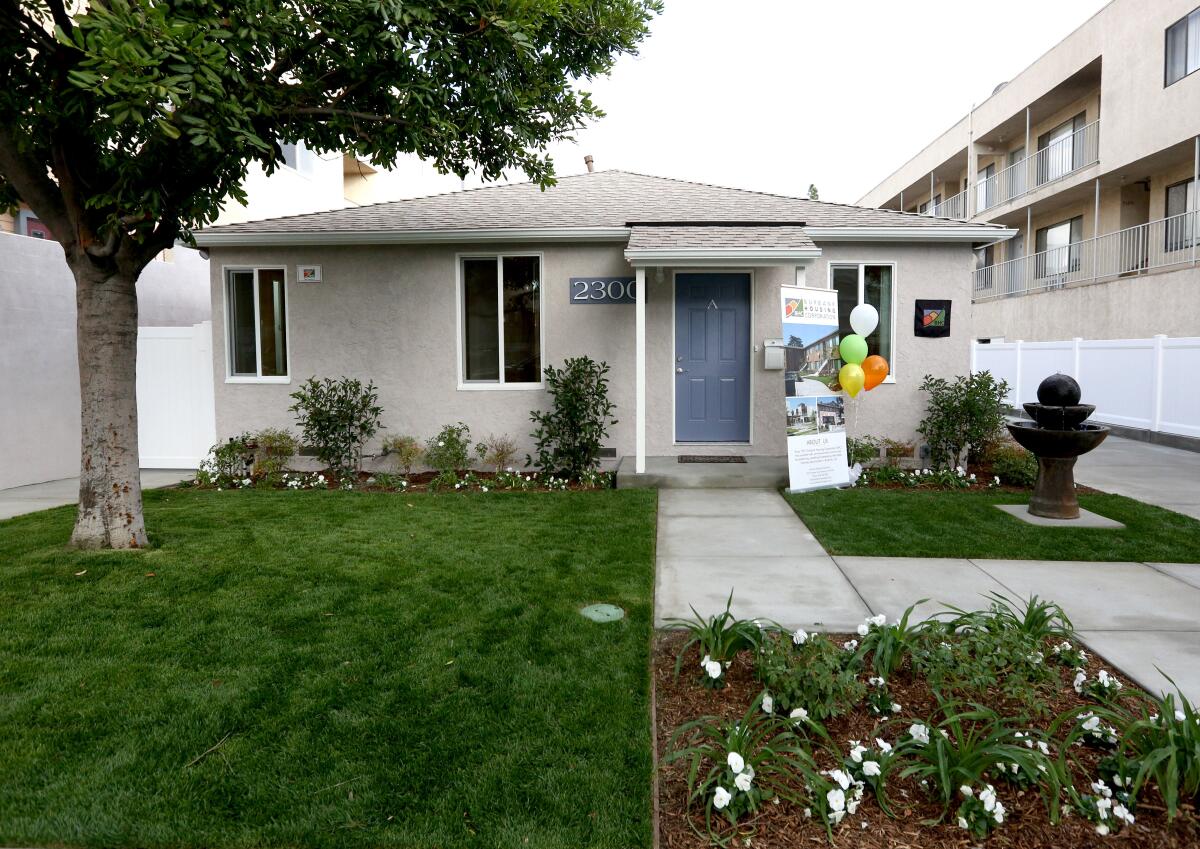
x,y
712,358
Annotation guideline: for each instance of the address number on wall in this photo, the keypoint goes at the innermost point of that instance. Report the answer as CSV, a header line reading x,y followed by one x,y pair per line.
x,y
603,290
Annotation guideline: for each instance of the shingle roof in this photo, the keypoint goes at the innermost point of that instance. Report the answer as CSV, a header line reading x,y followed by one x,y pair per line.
x,y
603,199
643,237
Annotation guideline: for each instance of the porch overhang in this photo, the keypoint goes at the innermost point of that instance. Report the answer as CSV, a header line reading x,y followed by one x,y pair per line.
x,y
741,244
713,257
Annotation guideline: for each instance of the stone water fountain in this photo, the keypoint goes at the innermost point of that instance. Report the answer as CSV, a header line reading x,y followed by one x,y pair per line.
x,y
1057,436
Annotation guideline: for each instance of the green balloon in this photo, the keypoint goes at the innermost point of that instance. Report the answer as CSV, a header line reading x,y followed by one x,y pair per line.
x,y
853,349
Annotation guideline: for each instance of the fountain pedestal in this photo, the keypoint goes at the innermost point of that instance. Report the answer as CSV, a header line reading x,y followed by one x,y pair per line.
x,y
1054,492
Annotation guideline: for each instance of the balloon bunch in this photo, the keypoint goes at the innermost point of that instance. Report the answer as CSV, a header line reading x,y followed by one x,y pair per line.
x,y
860,371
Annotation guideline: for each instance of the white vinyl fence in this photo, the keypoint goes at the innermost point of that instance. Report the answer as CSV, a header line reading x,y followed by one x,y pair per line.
x,y
1139,383
176,414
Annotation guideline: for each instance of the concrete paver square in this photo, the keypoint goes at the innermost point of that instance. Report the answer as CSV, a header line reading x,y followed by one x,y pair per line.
x,y
1138,654
717,536
890,584
1189,573
806,592
1104,596
748,503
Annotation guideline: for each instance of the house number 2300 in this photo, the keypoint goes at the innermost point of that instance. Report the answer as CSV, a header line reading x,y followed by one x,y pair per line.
x,y
603,290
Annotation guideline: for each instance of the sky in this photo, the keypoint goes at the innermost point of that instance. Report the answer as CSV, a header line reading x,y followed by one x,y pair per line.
x,y
774,95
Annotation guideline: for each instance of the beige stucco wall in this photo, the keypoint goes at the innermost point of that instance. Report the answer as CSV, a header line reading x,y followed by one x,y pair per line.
x,y
1129,308
389,314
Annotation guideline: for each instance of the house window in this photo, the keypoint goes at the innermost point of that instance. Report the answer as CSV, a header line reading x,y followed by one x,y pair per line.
x,y
256,322
867,284
1058,247
1180,227
501,320
1183,47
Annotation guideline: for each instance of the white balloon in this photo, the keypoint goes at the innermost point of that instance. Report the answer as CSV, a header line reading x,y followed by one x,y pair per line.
x,y
864,319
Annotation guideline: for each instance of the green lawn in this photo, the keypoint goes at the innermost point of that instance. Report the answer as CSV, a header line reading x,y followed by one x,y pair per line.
x,y
330,669
924,523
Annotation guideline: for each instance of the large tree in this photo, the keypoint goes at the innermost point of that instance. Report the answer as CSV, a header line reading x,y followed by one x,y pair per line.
x,y
124,124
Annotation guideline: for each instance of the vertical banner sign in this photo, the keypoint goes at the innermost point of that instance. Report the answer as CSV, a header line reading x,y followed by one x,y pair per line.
x,y
816,415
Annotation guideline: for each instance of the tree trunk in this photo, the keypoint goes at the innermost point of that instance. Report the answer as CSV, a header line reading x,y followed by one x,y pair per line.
x,y
110,489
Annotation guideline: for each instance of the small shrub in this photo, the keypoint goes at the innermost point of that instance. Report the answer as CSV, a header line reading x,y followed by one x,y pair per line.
x,y
449,451
895,450
497,452
863,450
445,480
808,675
336,418
719,638
273,448
963,415
569,436
1013,464
405,452
976,661
228,464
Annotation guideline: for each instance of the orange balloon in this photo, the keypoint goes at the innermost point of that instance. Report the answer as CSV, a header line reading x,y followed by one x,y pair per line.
x,y
875,368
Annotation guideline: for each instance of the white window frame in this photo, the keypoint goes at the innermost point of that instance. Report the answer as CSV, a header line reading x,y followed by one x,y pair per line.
x,y
1187,21
230,377
465,385
862,288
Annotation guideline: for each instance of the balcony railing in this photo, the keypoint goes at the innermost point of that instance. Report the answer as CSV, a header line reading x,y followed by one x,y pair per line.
x,y
1156,244
1053,162
953,207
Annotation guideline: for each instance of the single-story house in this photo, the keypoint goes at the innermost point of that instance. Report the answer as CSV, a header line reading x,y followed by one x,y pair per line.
x,y
454,304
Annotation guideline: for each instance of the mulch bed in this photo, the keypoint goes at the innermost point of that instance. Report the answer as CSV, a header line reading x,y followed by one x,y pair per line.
x,y
679,700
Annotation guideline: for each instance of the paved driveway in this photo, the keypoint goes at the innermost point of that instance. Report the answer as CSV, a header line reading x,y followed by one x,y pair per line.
x,y
1156,474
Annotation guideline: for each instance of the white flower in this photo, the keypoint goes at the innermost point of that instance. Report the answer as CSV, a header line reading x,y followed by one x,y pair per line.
x,y
962,823
998,814
800,637
862,630
988,796
798,714
884,745
896,707
836,799
966,790
919,733
1102,830
742,782
721,798
876,682
878,621
1045,749
996,480
1180,716
840,777
714,669
768,703
735,761
837,816
850,645
856,753
1122,813
871,768
1091,723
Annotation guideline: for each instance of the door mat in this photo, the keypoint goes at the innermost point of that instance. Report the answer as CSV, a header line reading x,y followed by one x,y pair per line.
x,y
711,458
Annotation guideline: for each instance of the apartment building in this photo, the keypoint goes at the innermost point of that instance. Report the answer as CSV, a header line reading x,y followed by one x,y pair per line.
x,y
1093,154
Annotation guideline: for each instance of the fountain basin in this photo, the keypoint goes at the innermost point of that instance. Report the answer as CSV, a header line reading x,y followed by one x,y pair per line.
x,y
1067,443
1067,417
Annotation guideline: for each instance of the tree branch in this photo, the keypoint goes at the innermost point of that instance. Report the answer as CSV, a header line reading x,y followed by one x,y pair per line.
x,y
62,19
333,112
33,184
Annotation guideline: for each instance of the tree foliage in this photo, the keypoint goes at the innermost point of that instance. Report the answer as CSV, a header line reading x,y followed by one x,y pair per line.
x,y
130,122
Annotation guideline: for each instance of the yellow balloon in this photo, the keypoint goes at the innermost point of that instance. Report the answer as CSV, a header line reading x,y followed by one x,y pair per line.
x,y
852,378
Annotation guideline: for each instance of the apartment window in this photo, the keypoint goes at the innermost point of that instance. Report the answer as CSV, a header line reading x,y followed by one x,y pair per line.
x,y
1016,176
1060,151
985,260
867,284
256,322
501,320
1058,247
985,189
1181,228
930,206
1183,47
297,156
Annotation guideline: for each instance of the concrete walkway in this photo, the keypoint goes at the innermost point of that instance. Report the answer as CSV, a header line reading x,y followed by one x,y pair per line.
x,y
1156,474
42,496
1137,615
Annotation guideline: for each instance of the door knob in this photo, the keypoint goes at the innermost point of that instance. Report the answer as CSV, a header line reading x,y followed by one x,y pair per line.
x,y
679,371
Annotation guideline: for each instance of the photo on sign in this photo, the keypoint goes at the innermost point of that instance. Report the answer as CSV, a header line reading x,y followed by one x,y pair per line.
x,y
816,414
810,338
308,273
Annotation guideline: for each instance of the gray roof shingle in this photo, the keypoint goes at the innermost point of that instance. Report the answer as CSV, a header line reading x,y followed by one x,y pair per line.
x,y
643,237
601,199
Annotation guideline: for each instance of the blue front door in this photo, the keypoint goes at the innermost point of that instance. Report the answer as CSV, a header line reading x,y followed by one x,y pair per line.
x,y
712,358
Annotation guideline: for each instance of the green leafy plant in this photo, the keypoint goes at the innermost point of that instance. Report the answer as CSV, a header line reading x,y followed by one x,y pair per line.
x,y
733,767
1012,464
809,673
448,452
970,661
890,645
1037,618
569,436
405,452
718,639
273,448
965,415
336,418
497,452
895,450
863,450
228,464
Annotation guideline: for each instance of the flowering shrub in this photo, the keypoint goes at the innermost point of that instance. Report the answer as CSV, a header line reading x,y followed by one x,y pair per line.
x,y
979,812
227,464
448,452
718,638
1012,464
809,672
963,416
405,451
957,478
303,480
336,418
1103,688
1108,807
272,448
1066,654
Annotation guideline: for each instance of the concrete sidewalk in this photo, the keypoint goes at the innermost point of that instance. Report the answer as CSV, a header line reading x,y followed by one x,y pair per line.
x,y
1156,474
42,496
1137,615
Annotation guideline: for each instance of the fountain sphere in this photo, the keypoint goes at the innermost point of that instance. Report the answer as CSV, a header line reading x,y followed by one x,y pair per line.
x,y
1057,436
